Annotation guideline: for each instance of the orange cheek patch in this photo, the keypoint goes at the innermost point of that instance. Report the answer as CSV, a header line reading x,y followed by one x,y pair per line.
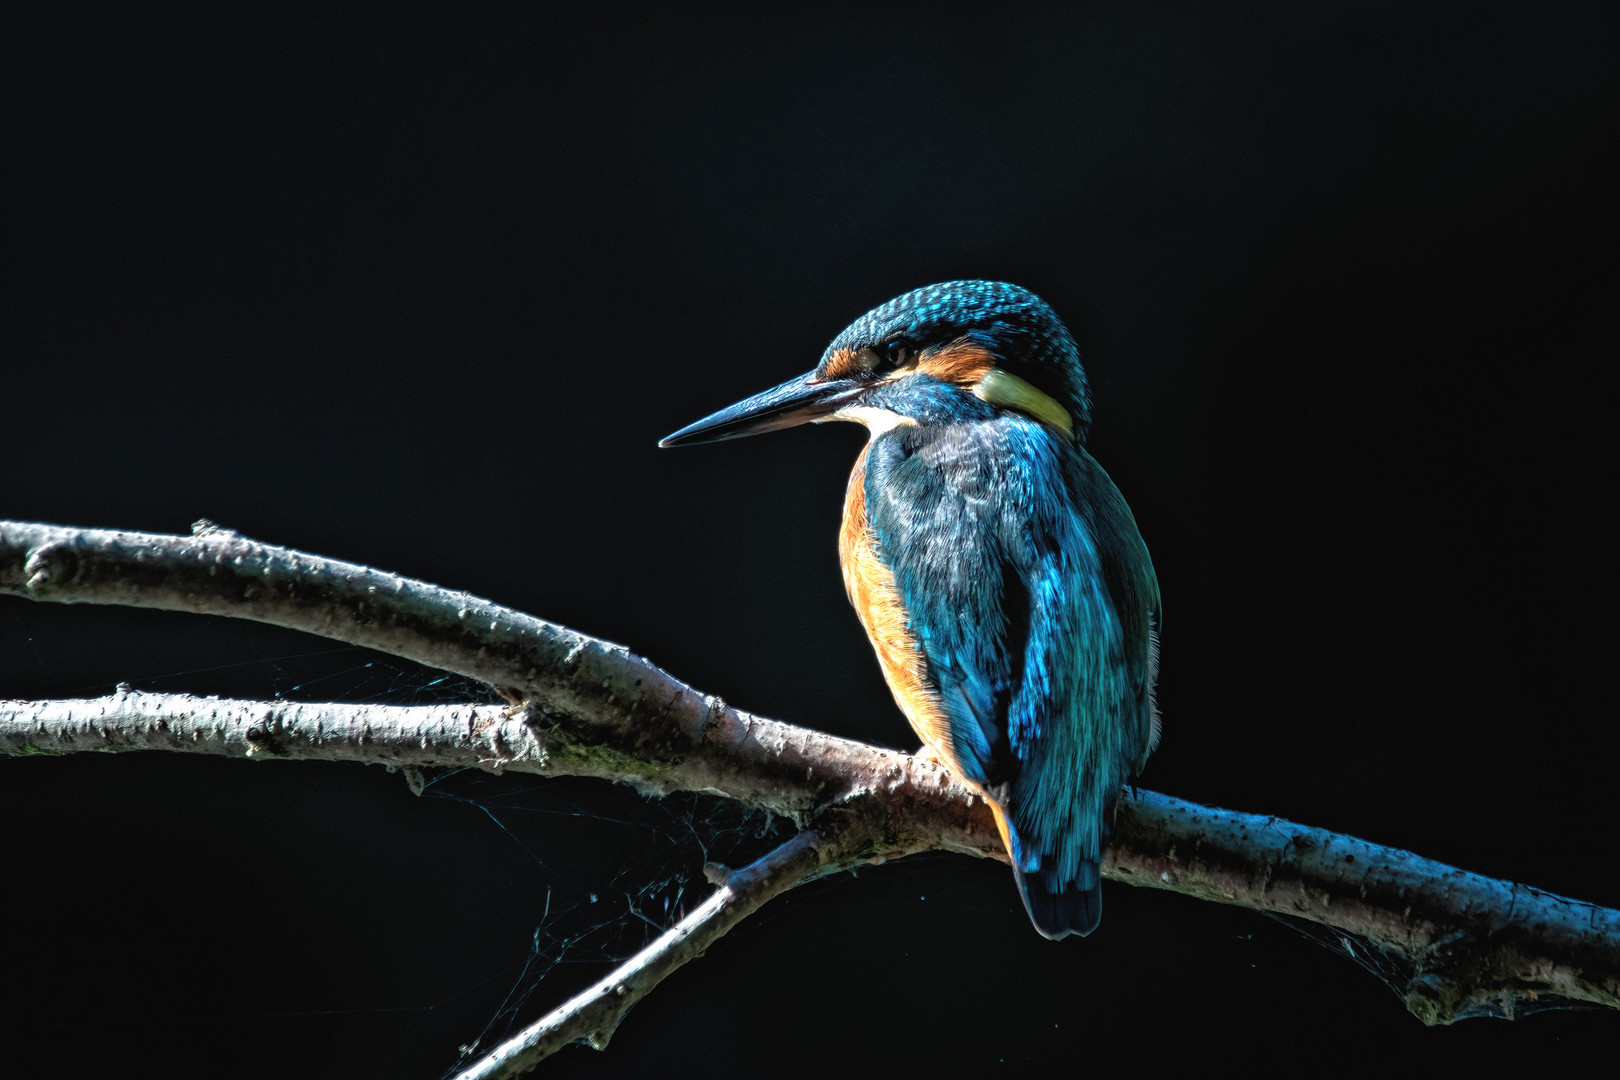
x,y
962,362
843,364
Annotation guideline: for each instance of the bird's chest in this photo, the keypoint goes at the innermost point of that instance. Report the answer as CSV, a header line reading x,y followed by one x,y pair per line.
x,y
870,584
936,536
873,593
939,507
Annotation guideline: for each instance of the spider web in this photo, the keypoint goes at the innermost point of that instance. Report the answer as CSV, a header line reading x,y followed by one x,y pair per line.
x,y
621,869
1392,968
609,869
610,896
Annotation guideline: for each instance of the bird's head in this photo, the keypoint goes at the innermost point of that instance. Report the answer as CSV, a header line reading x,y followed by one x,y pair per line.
x,y
946,351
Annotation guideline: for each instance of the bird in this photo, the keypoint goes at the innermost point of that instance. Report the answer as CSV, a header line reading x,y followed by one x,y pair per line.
x,y
996,569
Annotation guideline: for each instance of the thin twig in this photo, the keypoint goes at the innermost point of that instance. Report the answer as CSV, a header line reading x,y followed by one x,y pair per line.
x,y
592,1016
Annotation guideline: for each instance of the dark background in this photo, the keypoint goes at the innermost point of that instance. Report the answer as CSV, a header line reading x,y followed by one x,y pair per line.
x,y
422,291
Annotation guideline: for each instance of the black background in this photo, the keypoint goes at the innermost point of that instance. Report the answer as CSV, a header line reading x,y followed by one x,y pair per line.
x,y
422,290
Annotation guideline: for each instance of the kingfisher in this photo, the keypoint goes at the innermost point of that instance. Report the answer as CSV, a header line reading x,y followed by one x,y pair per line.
x,y
994,565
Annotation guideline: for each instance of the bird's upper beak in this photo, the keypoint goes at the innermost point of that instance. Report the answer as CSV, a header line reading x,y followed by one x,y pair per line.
x,y
797,401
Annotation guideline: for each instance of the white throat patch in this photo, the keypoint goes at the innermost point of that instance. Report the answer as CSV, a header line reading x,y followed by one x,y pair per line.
x,y
877,420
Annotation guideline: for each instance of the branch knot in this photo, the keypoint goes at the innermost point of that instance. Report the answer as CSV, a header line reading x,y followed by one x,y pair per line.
x,y
54,563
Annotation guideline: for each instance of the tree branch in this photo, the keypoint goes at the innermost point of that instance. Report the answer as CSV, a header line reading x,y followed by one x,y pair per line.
x,y
593,709
926,808
610,714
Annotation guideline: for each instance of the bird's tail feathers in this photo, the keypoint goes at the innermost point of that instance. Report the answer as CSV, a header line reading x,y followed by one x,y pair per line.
x,y
1059,908
1058,905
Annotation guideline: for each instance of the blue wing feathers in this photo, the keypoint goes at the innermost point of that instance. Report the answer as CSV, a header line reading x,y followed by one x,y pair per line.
x,y
1032,598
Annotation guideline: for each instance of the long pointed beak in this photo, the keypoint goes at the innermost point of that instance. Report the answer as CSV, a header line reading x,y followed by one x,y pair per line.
x,y
797,401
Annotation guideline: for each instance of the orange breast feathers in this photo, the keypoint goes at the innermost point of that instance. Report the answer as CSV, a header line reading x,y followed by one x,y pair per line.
x,y
876,599
873,594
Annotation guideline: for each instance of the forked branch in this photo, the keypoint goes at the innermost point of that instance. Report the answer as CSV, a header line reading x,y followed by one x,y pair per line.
x,y
593,709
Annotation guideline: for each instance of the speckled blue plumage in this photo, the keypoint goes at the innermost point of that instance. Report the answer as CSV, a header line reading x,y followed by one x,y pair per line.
x,y
1025,334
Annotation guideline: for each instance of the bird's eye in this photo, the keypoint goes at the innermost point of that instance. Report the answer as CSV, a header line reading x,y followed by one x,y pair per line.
x,y
896,353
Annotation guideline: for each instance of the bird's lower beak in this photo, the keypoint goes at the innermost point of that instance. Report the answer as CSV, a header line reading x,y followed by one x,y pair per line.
x,y
797,401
